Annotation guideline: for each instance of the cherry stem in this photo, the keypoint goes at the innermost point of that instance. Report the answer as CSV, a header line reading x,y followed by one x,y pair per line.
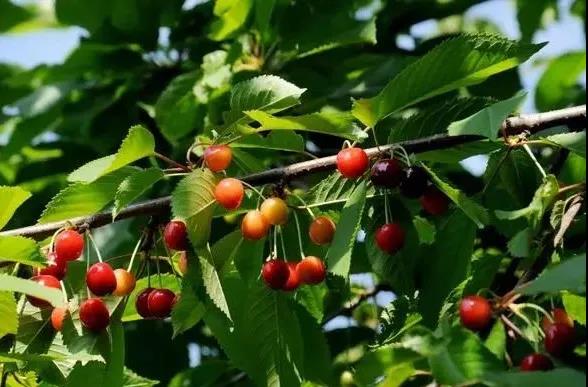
x,y
177,174
403,152
52,243
534,159
254,189
511,325
306,207
517,311
95,246
299,234
171,162
275,244
135,251
387,212
87,260
532,306
158,273
282,241
64,291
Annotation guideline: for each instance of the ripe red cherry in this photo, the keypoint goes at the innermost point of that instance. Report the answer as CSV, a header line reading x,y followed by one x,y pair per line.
x,y
175,235
229,193
559,316
536,362
160,302
414,182
57,317
56,268
125,283
293,281
254,226
142,305
352,162
390,238
94,315
68,246
275,274
560,339
387,173
218,157
475,313
322,230
434,202
311,270
100,279
45,280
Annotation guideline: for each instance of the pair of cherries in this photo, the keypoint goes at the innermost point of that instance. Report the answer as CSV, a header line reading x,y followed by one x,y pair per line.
x,y
288,276
154,303
68,246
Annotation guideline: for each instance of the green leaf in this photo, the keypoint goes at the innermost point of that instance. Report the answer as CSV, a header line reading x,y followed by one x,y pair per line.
x,y
488,121
530,14
559,87
19,285
11,198
206,374
575,142
134,186
193,201
575,307
280,140
8,315
131,379
558,377
496,340
138,144
21,250
212,281
340,124
339,255
425,229
471,208
187,312
386,361
89,375
12,15
232,15
568,275
467,60
81,199
520,244
115,367
317,362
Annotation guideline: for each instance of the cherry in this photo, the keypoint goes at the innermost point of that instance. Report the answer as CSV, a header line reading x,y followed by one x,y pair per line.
x,y
160,302
142,305
254,225
559,316
57,317
560,339
175,235
218,157
183,263
293,281
311,270
68,246
275,211
390,238
352,162
387,173
475,313
100,279
56,268
275,274
47,281
125,283
434,202
414,182
536,362
229,193
94,315
322,230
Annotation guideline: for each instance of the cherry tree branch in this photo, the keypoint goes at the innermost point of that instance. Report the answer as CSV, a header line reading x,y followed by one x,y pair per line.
x,y
574,118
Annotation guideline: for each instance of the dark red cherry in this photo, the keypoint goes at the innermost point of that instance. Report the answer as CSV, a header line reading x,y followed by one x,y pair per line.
x,y
475,313
142,305
275,273
293,281
434,202
390,238
56,268
160,302
45,280
69,245
536,362
387,173
100,279
94,315
560,339
414,182
311,270
176,235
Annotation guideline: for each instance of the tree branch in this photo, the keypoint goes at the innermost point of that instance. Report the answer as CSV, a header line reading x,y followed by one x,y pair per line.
x,y
573,117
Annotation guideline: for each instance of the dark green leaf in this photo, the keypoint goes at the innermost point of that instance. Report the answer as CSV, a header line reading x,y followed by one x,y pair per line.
x,y
568,275
134,186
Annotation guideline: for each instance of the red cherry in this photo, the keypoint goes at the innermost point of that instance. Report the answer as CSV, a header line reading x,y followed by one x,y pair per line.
x,y
536,362
125,283
275,274
475,313
352,162
218,157
293,281
414,182
56,268
387,173
322,230
434,202
68,246
45,280
560,339
57,317
311,270
160,302
559,316
175,235
142,305
390,238
94,315
229,193
100,279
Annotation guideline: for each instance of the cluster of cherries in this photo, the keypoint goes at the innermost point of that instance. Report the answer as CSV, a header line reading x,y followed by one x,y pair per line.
x,y
476,314
412,182
101,280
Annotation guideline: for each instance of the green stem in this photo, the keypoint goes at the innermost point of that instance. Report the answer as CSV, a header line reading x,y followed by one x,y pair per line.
x,y
95,246
534,159
299,235
135,251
